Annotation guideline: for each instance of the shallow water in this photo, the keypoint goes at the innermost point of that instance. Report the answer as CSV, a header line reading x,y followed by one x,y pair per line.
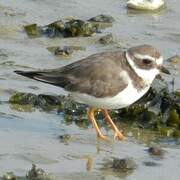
x,y
32,137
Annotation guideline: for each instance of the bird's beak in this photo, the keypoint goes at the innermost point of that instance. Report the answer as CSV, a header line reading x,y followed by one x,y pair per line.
x,y
163,69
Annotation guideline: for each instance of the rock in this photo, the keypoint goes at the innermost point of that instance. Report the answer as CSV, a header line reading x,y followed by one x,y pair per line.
x,y
155,151
49,99
23,98
102,21
77,27
37,174
124,164
102,18
65,50
55,29
45,102
107,39
33,174
32,30
145,5
64,136
174,59
70,28
58,25
9,176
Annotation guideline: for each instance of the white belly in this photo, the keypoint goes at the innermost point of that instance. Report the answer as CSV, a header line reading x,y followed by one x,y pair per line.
x,y
125,98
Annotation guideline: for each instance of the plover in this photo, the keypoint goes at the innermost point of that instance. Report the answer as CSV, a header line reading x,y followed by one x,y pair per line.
x,y
145,4
108,80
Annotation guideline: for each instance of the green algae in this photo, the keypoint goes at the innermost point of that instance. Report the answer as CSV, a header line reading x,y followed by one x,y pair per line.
x,y
177,93
70,28
166,131
126,164
22,108
33,174
9,176
158,110
27,101
173,119
78,27
176,133
22,98
58,25
32,30
37,174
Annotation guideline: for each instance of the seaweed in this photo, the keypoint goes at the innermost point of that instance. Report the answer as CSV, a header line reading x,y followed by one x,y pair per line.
x,y
70,28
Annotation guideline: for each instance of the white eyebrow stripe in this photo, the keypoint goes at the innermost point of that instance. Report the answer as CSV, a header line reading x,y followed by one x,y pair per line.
x,y
147,75
140,56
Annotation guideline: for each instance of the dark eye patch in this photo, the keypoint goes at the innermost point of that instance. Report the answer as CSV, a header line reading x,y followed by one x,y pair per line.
x,y
146,61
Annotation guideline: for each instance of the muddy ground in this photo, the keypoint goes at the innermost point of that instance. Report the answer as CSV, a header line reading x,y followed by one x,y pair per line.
x,y
32,137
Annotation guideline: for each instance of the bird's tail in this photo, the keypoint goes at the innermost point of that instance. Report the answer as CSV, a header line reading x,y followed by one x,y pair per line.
x,y
45,76
29,74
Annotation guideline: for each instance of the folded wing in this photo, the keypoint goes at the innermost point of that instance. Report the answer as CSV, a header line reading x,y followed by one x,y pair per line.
x,y
92,75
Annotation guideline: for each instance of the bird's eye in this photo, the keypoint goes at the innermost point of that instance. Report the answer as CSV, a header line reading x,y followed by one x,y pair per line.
x,y
147,61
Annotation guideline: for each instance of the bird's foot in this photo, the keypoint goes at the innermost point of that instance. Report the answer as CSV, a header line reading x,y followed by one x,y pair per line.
x,y
103,137
118,135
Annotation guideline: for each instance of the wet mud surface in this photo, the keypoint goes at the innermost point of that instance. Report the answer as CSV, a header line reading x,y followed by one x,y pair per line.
x,y
65,146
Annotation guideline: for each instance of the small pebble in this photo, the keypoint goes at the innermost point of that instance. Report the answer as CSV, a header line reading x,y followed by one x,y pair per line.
x,y
156,151
65,138
63,51
107,39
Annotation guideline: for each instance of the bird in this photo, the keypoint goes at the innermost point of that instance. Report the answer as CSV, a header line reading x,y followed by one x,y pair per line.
x,y
145,4
106,80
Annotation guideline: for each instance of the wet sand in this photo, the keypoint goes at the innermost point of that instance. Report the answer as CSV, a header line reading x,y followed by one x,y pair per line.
x,y
32,137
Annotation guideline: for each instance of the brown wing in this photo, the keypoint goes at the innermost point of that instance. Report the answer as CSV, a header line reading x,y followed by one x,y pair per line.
x,y
97,75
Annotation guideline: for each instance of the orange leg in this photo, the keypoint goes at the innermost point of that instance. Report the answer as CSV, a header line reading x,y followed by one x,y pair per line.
x,y
93,120
117,133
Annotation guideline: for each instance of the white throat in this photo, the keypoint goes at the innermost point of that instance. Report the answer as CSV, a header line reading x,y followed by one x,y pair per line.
x,y
147,75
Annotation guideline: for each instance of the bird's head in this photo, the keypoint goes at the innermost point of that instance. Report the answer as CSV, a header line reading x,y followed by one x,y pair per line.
x,y
146,61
